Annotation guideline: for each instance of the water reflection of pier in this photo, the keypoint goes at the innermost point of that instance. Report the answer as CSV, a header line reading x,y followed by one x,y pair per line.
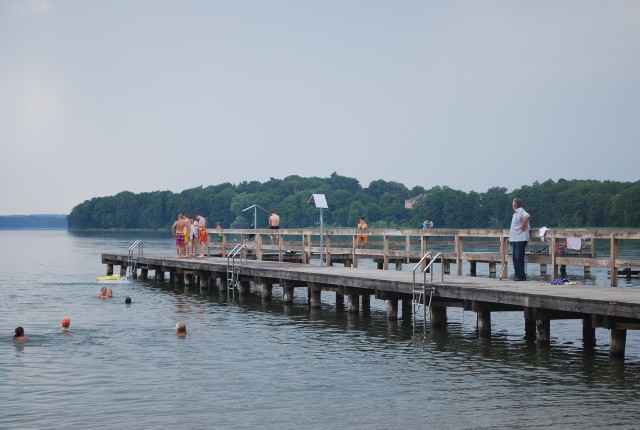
x,y
616,309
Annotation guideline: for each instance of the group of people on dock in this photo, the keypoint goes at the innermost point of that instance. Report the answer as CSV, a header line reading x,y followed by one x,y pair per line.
x,y
194,230
187,230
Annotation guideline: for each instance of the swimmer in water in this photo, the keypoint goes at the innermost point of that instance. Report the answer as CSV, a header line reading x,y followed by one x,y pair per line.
x,y
103,293
109,293
19,336
181,329
66,322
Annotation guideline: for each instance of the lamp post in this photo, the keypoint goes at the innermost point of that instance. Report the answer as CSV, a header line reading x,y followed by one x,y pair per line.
x,y
255,214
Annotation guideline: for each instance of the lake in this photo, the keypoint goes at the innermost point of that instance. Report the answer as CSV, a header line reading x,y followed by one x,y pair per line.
x,y
254,364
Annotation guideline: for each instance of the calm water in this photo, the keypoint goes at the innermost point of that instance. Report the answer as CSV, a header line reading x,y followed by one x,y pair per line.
x,y
250,364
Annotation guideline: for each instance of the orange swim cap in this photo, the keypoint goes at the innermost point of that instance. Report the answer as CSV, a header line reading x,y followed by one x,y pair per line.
x,y
66,320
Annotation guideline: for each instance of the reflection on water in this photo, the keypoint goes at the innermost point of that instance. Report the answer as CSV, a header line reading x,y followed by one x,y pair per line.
x,y
255,363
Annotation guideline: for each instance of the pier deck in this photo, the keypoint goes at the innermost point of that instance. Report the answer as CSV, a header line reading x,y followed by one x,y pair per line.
x,y
617,309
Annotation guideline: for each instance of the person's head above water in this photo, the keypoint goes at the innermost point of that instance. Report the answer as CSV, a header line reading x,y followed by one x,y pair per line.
x,y
19,333
66,321
181,329
127,300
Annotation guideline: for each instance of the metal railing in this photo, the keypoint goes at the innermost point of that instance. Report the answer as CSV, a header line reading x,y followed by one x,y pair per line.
x,y
420,293
233,274
133,260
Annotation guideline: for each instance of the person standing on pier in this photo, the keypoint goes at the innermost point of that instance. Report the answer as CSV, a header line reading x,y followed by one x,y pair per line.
x,y
274,223
519,237
178,232
427,224
194,235
202,233
362,237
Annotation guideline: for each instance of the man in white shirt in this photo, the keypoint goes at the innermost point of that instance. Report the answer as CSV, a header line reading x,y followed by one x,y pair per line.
x,y
519,237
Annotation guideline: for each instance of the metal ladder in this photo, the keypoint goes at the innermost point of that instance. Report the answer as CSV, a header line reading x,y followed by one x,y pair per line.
x,y
233,274
420,292
132,262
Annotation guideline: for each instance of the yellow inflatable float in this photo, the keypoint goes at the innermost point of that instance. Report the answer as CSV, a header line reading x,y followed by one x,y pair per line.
x,y
108,278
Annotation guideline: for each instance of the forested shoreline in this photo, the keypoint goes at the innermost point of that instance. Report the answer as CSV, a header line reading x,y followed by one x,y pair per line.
x,y
29,222
565,203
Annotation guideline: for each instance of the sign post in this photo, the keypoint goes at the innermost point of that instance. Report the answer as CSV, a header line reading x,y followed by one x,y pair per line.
x,y
321,203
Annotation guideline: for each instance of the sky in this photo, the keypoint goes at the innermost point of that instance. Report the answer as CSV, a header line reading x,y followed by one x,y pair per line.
x,y
99,97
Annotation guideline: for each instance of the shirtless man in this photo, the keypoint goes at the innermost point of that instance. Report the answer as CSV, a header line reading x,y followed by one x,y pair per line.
x,y
202,224
274,223
177,229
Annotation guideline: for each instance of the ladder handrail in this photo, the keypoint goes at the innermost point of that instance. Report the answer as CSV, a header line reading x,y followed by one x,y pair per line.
x,y
131,266
134,245
429,253
422,293
433,259
231,274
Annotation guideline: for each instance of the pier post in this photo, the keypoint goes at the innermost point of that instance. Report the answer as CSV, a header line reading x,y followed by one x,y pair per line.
x,y
446,266
339,300
392,309
204,280
563,270
109,269
472,268
223,286
244,288
288,291
438,316
267,289
407,309
493,270
483,316
188,279
366,304
618,343
179,278
144,273
159,276
543,269
315,296
543,331
529,324
588,333
399,265
354,303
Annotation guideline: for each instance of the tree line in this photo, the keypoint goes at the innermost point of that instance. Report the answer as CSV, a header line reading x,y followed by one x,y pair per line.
x,y
561,204
28,222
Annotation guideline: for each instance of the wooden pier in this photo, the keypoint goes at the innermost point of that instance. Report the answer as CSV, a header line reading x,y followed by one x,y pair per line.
x,y
395,247
616,309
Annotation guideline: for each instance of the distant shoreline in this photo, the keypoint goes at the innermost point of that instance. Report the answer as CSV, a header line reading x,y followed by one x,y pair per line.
x,y
33,222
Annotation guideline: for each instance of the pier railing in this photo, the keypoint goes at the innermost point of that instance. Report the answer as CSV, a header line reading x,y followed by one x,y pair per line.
x,y
617,250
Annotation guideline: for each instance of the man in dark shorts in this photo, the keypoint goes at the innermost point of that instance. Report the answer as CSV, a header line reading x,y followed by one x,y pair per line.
x,y
274,222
